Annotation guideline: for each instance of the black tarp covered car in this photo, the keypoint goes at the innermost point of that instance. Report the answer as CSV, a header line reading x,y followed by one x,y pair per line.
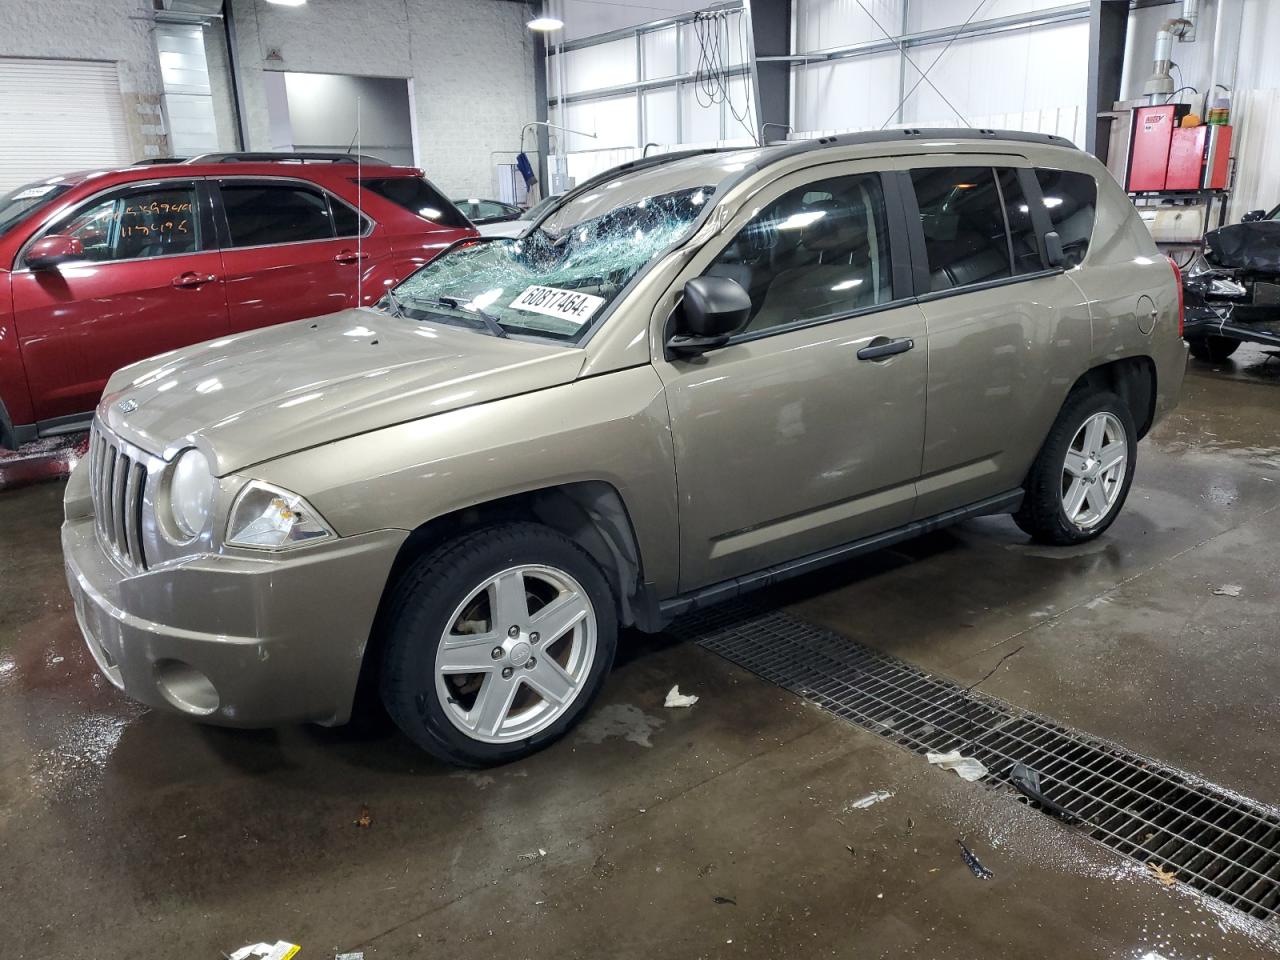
x,y
1235,297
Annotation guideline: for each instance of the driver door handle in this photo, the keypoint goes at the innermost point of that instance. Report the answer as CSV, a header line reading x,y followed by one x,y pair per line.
x,y
350,256
190,279
883,347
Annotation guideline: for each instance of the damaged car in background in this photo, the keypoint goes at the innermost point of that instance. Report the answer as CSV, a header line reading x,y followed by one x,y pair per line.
x,y
1235,297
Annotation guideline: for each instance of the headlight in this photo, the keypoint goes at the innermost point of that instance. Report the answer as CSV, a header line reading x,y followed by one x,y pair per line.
x,y
191,493
1227,288
269,518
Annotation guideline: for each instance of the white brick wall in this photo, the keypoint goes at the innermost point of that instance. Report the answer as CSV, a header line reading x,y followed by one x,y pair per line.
x,y
471,63
109,30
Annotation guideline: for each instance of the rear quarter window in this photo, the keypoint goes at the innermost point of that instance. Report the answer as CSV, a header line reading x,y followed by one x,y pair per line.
x,y
418,197
1072,201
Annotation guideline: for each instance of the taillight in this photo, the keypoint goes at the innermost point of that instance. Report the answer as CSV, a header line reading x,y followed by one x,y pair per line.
x,y
1182,309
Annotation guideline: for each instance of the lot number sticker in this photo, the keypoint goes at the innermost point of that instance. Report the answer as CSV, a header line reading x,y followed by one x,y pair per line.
x,y
577,308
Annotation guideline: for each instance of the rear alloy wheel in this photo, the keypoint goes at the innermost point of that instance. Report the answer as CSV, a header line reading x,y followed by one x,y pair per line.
x,y
1213,349
1082,475
496,643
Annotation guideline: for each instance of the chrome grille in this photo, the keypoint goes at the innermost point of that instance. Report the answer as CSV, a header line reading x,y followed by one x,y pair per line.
x,y
117,483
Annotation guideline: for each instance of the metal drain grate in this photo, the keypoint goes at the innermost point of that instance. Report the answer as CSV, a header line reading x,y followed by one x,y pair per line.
x,y
1224,845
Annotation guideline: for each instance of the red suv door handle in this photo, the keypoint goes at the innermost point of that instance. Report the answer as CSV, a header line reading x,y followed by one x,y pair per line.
x,y
190,279
350,256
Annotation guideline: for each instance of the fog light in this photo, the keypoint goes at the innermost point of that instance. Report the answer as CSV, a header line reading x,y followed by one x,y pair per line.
x,y
186,688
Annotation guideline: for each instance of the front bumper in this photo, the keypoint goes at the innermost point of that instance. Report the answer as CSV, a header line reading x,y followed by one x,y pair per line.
x,y
236,641
1224,321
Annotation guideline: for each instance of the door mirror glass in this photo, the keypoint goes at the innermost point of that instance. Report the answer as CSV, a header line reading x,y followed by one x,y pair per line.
x,y
1253,216
47,252
714,308
1053,251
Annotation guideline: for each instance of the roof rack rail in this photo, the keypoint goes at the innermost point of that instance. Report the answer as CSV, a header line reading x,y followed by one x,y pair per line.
x,y
152,161
264,156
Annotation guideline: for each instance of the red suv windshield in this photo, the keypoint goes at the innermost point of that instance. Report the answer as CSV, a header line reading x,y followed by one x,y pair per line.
x,y
16,205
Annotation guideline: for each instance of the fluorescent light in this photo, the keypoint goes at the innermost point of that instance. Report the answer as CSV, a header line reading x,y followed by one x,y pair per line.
x,y
542,24
288,3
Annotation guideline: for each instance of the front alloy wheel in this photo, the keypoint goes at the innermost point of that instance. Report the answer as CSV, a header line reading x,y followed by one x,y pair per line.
x,y
515,653
495,643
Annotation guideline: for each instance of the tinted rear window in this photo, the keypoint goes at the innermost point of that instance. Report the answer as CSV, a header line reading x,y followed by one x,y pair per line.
x,y
964,231
418,197
1072,199
259,214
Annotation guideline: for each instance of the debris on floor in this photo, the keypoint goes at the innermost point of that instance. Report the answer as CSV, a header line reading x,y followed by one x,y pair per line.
x,y
1227,590
358,955
1167,877
364,820
967,767
280,950
870,800
973,863
1027,782
528,857
723,900
677,699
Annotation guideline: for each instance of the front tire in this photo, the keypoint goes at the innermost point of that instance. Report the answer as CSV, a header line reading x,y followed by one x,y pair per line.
x,y
1081,477
1213,349
496,643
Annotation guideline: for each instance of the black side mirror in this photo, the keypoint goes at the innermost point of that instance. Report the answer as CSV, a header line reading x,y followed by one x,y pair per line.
x,y
1053,249
1253,216
713,310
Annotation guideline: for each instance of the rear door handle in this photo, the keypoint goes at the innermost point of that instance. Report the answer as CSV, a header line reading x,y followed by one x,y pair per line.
x,y
190,279
882,347
350,256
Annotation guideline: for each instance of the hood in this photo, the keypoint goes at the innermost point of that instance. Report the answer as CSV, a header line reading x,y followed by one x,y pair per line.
x,y
1245,246
260,395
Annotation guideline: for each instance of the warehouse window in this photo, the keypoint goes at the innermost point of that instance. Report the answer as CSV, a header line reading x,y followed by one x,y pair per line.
x,y
136,224
1022,232
1071,199
260,214
964,230
820,250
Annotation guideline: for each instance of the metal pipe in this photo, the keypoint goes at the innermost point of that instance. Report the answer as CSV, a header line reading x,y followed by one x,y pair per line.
x,y
1190,16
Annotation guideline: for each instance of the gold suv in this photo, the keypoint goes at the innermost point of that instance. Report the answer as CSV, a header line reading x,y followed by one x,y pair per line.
x,y
696,374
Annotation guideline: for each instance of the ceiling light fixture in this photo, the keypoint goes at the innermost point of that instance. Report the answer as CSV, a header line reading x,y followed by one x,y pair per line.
x,y
288,3
545,24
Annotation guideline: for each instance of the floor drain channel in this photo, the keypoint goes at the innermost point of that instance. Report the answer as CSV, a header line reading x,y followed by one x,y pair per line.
x,y
1224,845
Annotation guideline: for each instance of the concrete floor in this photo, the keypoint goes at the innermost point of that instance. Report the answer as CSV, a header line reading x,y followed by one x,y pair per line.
x,y
124,833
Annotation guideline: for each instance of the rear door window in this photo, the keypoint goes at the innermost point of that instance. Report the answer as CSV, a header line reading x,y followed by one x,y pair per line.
x,y
259,214
964,227
1071,199
418,197
1022,231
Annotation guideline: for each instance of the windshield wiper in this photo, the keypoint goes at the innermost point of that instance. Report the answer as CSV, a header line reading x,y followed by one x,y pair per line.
x,y
455,303
397,309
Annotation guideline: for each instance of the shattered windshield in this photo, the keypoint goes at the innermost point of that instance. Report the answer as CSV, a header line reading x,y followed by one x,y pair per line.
x,y
555,281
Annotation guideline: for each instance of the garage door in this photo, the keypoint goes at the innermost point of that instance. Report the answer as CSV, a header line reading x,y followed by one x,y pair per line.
x,y
57,116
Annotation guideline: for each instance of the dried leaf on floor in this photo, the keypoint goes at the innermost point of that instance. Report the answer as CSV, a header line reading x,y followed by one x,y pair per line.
x,y
364,820
1167,877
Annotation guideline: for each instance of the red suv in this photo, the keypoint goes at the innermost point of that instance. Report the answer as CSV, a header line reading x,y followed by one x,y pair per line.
x,y
100,269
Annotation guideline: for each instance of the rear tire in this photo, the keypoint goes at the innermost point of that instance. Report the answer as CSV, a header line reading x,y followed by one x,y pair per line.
x,y
1081,477
1213,349
496,643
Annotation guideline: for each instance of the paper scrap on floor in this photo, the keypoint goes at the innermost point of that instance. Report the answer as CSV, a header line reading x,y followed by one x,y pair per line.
x,y
967,767
870,800
1227,590
280,950
677,699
